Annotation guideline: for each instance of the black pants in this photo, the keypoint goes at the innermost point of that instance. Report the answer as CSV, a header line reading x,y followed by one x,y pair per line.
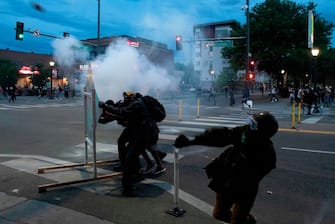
x,y
140,138
122,143
234,210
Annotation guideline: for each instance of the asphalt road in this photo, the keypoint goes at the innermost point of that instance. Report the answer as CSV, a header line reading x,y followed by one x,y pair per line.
x,y
300,190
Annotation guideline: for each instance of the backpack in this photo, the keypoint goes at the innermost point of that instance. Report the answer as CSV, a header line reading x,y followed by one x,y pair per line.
x,y
156,109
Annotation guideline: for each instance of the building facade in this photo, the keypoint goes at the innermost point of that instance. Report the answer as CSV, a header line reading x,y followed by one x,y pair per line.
x,y
26,62
209,39
157,53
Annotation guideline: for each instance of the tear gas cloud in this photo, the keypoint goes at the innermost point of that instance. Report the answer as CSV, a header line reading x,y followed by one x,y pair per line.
x,y
66,51
121,68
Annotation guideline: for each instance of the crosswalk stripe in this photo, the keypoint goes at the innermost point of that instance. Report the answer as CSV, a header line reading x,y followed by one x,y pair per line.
x,y
213,107
241,117
14,106
177,129
37,105
221,120
311,120
208,124
31,106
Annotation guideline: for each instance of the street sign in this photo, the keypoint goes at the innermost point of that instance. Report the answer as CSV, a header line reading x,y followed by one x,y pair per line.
x,y
36,33
310,29
223,43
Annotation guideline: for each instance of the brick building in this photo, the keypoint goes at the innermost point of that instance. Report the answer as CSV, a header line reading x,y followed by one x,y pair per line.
x,y
156,52
26,61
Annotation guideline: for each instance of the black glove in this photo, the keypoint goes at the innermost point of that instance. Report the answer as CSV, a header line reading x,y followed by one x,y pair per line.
x,y
102,104
110,102
103,119
181,141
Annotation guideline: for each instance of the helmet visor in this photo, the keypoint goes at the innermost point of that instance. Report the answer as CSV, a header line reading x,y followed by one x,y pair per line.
x,y
253,125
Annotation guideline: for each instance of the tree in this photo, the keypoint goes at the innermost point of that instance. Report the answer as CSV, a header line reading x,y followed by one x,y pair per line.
x,y
189,77
278,38
41,79
8,74
229,78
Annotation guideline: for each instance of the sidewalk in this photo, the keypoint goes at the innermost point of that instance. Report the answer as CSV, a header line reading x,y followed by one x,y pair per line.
x,y
98,202
150,209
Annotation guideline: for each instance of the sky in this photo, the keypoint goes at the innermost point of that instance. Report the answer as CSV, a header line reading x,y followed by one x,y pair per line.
x,y
156,20
121,67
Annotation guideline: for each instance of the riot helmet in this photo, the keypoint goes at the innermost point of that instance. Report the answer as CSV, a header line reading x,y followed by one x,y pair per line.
x,y
264,124
129,95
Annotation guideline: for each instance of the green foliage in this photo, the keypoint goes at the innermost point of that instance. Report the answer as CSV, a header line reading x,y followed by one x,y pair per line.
x,y
41,79
236,54
8,74
189,77
226,79
278,39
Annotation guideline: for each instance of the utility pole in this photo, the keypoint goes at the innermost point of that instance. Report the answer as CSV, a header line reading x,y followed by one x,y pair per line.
x,y
98,35
248,38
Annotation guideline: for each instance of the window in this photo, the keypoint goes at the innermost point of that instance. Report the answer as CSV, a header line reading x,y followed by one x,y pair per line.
x,y
197,34
222,31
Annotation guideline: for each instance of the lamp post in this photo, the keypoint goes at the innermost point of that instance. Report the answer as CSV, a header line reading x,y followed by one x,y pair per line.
x,y
246,8
212,73
315,53
52,64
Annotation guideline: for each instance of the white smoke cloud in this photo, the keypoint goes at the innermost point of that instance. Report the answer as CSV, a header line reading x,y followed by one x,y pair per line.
x,y
123,68
69,50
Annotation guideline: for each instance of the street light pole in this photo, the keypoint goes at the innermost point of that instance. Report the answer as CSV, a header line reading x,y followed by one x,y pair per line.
x,y
213,78
248,36
98,32
52,64
315,53
248,54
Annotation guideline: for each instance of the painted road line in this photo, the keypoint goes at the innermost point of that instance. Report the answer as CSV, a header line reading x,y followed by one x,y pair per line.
x,y
236,118
208,124
212,107
14,106
196,202
37,105
234,121
178,129
167,137
29,163
307,131
308,150
311,120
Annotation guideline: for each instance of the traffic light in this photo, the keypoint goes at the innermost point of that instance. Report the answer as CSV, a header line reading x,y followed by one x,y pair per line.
x,y
179,45
251,76
251,65
19,30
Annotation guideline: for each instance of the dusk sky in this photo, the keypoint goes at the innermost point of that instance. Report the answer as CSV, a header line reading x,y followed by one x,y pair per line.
x,y
157,20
